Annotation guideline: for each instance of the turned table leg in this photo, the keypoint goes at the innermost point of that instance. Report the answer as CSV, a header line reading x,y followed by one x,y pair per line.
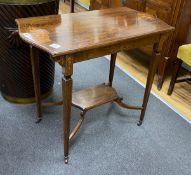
x,y
36,78
112,68
152,70
67,102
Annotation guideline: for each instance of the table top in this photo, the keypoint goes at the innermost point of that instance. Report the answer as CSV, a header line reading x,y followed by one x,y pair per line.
x,y
60,35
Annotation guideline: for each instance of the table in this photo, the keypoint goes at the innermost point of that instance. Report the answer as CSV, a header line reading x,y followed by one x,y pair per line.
x,y
72,38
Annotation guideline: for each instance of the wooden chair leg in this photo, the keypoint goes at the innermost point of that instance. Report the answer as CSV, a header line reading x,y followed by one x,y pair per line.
x,y
161,72
72,6
176,69
36,78
112,68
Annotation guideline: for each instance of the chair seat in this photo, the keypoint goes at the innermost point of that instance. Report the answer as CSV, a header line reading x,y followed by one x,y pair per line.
x,y
184,53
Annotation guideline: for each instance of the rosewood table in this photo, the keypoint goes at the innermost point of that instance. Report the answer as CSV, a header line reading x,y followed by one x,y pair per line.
x,y
72,38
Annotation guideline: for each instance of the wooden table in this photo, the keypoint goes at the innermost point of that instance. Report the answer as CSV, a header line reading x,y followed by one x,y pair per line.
x,y
72,38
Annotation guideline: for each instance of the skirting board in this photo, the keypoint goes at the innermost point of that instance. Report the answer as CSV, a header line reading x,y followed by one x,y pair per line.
x,y
83,5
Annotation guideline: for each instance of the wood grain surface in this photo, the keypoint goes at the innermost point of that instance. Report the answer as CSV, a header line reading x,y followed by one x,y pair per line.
x,y
136,64
69,33
79,37
90,98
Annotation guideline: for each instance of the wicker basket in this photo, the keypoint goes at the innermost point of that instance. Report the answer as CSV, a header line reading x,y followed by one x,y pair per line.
x,y
16,82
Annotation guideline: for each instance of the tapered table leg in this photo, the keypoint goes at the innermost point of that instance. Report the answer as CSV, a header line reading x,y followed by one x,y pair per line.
x,y
152,71
36,78
112,68
67,102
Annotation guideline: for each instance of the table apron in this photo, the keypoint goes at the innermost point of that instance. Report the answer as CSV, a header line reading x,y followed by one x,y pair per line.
x,y
107,50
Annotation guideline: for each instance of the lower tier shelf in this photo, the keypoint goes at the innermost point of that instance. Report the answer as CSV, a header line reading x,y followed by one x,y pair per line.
x,y
92,97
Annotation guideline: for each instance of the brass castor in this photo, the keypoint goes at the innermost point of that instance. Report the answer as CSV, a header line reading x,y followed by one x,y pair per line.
x,y
38,120
66,160
139,123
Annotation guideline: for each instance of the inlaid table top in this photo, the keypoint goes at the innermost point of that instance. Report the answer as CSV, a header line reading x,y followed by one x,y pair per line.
x,y
69,33
71,38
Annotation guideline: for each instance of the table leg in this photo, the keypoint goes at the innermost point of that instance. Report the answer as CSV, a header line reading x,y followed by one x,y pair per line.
x,y
67,102
152,71
112,68
72,6
36,78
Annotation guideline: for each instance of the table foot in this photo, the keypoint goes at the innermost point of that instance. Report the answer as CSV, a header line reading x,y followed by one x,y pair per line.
x,y
139,123
38,120
66,159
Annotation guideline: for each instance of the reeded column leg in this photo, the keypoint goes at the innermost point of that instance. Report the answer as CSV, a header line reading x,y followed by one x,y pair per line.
x,y
112,68
36,78
152,70
67,102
